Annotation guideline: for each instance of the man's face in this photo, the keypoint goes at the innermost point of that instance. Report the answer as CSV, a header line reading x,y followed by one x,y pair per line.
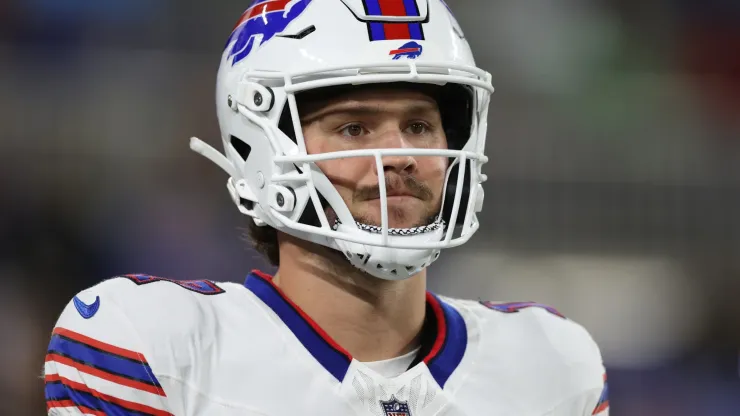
x,y
383,118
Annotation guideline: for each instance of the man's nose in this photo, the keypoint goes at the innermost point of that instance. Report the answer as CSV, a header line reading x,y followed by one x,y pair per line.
x,y
397,163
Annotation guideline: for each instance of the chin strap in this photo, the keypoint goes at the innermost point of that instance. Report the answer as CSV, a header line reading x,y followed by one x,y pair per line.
x,y
397,231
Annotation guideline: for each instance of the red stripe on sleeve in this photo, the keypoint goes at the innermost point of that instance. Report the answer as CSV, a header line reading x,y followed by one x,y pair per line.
x,y
132,355
603,406
102,374
112,399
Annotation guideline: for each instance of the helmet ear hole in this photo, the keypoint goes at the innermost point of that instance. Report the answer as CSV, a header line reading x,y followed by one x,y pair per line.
x,y
241,147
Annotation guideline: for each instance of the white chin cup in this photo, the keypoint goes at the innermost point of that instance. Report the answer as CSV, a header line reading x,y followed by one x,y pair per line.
x,y
390,263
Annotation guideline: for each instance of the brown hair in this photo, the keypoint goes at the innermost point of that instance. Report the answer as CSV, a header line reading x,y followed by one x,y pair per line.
x,y
264,239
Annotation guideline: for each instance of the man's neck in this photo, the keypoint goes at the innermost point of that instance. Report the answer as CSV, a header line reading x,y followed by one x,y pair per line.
x,y
371,318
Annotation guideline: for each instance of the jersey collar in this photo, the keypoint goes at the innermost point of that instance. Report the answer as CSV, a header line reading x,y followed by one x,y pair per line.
x,y
442,359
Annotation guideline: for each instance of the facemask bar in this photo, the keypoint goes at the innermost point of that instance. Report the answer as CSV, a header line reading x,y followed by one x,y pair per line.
x,y
456,203
461,157
389,72
406,71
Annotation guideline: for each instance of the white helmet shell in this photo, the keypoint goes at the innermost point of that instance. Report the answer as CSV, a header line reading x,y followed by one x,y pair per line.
x,y
280,48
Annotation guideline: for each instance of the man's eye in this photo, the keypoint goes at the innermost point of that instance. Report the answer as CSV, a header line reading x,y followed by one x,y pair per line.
x,y
417,128
352,130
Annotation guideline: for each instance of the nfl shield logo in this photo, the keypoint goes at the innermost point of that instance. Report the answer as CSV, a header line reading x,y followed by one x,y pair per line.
x,y
395,408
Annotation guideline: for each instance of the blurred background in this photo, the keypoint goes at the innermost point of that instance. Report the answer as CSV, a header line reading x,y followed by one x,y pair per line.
x,y
613,192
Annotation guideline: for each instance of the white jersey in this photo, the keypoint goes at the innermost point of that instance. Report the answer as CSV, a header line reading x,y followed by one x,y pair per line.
x,y
140,345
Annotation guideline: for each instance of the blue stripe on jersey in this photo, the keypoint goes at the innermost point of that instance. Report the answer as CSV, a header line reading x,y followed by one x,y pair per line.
x,y
57,391
456,341
104,361
335,361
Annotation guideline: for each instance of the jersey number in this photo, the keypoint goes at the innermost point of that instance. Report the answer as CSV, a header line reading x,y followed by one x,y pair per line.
x,y
514,307
204,287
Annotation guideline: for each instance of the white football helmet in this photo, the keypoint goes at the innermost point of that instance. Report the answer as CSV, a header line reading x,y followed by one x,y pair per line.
x,y
280,48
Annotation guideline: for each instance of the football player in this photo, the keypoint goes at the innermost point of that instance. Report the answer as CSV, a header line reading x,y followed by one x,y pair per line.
x,y
353,135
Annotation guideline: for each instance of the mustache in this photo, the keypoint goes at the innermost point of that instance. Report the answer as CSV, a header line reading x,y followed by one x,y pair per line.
x,y
396,183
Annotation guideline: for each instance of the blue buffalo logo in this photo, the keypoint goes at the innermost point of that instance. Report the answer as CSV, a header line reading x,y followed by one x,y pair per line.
x,y
260,23
410,50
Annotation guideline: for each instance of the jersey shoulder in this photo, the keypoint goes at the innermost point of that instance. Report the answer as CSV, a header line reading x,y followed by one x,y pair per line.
x,y
535,324
153,307
534,347
116,343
